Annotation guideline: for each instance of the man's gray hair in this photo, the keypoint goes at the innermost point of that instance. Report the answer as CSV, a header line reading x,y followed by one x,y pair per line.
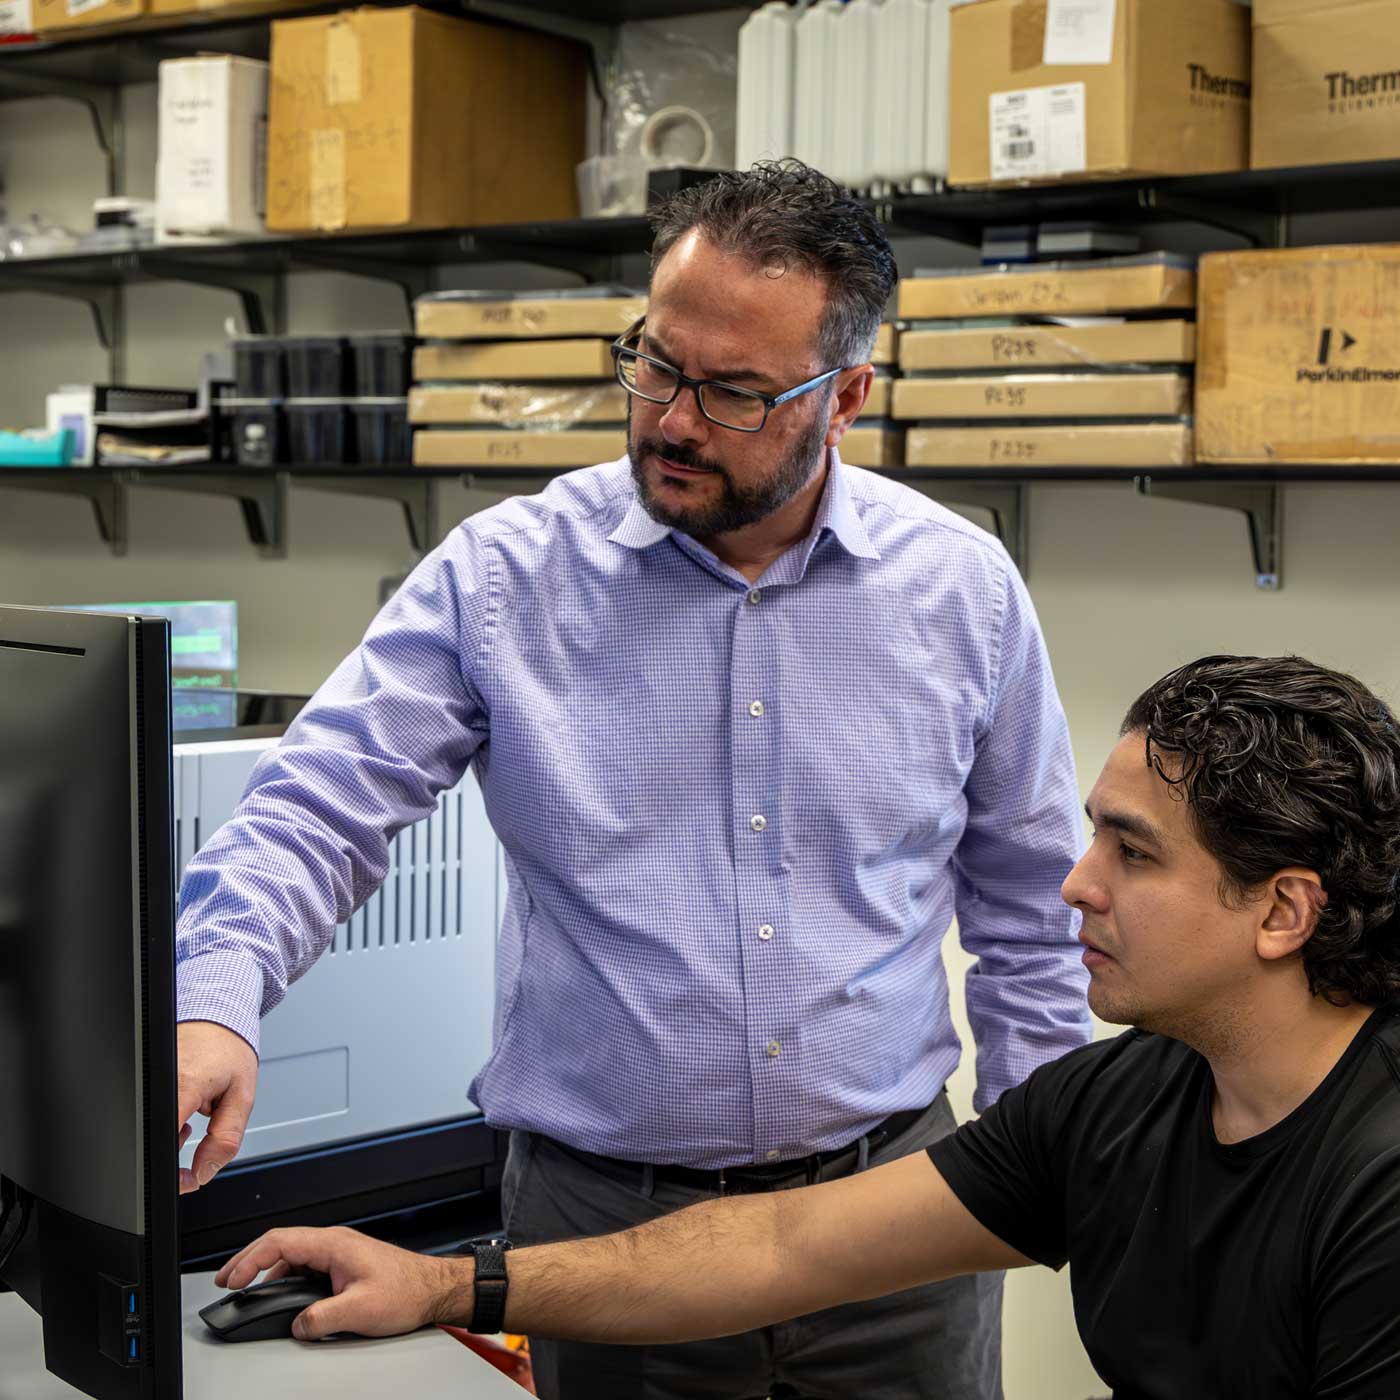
x,y
784,213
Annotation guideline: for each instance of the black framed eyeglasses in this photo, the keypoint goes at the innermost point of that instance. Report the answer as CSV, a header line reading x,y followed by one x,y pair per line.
x,y
726,405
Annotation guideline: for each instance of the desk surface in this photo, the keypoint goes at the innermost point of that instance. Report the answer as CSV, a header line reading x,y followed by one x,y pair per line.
x,y
425,1363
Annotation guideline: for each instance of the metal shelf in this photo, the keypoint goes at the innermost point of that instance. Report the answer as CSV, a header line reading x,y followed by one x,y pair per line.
x,y
1255,492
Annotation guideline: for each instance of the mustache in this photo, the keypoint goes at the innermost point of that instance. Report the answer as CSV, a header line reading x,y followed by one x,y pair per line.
x,y
681,455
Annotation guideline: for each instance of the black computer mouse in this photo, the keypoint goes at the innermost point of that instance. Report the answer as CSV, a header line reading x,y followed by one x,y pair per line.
x,y
264,1310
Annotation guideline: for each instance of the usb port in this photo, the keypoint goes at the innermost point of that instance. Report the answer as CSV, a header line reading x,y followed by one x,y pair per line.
x,y
131,1300
134,1349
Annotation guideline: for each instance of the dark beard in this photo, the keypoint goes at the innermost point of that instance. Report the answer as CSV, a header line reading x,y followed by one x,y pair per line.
x,y
737,506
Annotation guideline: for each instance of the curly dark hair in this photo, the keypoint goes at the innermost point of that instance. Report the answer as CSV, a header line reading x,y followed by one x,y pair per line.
x,y
784,212
1284,762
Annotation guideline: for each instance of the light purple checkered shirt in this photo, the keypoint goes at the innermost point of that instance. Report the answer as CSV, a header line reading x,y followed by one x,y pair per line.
x,y
737,820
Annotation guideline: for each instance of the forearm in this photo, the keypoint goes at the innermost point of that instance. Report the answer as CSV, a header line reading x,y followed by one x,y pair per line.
x,y
708,1271
730,1265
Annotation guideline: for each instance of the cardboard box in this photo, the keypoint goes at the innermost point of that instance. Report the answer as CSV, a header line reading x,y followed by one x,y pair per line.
x,y
518,403
877,402
1045,396
1047,347
1173,99
1094,289
212,161
1271,11
872,447
1300,356
449,318
56,16
1016,447
16,17
405,118
231,8
886,350
1326,84
480,447
526,359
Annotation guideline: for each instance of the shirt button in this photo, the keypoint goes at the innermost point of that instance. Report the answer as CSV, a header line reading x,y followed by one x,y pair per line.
x,y
772,1154
765,931
759,822
774,1049
753,595
756,709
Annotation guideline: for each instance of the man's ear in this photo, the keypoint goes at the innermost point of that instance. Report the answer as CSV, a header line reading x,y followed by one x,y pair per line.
x,y
1294,897
853,389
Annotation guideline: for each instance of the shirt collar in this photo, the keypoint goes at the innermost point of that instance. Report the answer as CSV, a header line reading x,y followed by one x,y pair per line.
x,y
836,512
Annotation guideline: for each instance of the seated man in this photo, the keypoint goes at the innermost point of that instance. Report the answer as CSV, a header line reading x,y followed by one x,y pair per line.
x,y
1223,1179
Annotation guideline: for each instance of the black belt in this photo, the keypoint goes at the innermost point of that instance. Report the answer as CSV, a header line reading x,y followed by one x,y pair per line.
x,y
764,1176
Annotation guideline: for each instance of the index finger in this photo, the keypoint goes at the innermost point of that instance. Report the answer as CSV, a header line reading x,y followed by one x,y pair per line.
x,y
301,1248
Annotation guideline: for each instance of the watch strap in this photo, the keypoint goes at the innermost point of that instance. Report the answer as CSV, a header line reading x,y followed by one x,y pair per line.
x,y
489,1286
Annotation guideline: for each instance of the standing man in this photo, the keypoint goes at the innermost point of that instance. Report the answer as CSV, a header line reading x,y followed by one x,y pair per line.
x,y
752,726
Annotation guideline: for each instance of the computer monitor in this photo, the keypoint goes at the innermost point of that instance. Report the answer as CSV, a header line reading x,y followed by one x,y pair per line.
x,y
89,1235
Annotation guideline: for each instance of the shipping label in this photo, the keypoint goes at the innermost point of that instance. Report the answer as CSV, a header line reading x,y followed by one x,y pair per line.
x,y
1037,132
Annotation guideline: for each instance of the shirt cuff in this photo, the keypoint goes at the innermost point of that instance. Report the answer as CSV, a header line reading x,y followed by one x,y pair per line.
x,y
223,987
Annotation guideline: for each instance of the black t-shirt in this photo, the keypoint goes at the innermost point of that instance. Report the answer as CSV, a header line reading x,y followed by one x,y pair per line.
x,y
1263,1270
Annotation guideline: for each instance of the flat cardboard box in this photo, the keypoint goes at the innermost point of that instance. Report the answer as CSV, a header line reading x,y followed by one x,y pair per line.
x,y
405,118
872,447
1300,356
522,359
1327,85
1049,347
518,403
1015,446
526,317
58,16
1271,11
1096,289
886,351
1173,100
1045,396
481,447
877,403
212,162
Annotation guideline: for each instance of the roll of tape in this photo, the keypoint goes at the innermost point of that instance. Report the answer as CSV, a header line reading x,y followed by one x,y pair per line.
x,y
672,134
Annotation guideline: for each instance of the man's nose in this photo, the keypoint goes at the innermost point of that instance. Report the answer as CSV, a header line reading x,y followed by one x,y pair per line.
x,y
1082,888
682,421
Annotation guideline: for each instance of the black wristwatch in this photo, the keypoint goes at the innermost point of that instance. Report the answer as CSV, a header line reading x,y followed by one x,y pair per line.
x,y
489,1287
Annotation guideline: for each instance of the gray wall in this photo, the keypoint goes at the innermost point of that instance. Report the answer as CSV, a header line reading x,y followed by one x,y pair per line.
x,y
1126,588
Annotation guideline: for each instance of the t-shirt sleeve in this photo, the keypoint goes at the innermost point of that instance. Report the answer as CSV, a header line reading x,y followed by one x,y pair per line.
x,y
1356,1288
1008,1166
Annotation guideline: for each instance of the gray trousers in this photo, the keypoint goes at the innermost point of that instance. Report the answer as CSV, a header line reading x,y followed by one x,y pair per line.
x,y
938,1342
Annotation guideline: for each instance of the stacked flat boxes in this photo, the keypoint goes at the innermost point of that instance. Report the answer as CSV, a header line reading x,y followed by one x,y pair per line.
x,y
524,380
1049,365
874,440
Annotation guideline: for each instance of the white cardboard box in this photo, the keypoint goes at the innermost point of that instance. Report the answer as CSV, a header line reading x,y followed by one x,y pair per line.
x,y
211,169
16,17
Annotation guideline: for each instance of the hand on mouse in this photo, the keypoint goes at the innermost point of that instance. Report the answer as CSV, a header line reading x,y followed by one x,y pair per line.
x,y
217,1076
380,1290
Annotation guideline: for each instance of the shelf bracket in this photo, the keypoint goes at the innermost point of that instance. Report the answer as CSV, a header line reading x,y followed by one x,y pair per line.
x,y
1263,230
260,294
1261,504
1004,501
418,499
102,104
261,497
102,301
107,495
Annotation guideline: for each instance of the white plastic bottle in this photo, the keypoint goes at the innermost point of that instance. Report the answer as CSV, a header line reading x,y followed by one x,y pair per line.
x,y
817,83
767,57
898,152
